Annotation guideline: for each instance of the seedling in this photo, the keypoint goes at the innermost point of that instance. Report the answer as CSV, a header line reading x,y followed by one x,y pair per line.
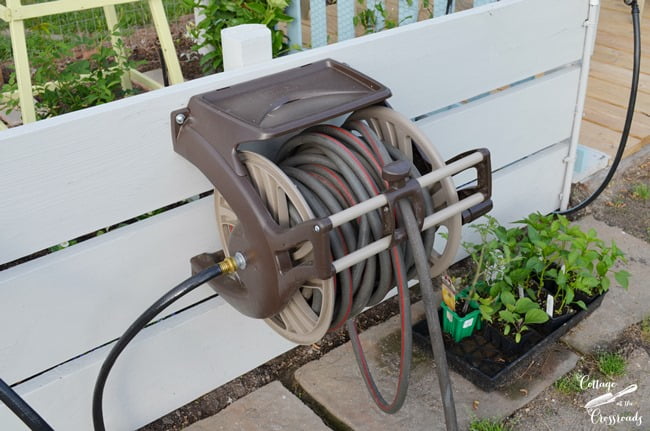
x,y
611,364
519,314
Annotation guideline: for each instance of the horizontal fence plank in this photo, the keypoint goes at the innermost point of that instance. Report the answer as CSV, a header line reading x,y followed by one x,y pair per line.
x,y
179,359
512,123
67,176
59,306
528,109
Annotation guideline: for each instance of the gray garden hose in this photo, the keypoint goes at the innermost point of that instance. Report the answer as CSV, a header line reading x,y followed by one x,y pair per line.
x,y
334,168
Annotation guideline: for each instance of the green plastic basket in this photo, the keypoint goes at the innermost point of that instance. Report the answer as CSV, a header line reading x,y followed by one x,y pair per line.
x,y
460,327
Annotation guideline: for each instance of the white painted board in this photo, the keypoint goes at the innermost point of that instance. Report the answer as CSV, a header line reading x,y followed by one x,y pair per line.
x,y
67,303
70,175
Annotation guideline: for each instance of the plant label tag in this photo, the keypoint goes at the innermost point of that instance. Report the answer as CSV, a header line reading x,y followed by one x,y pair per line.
x,y
449,298
521,292
549,305
449,292
468,323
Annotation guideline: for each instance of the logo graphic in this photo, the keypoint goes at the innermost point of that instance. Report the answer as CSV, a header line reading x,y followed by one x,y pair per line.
x,y
610,416
609,398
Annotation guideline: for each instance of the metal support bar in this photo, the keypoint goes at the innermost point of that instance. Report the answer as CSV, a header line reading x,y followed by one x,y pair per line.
x,y
427,180
382,244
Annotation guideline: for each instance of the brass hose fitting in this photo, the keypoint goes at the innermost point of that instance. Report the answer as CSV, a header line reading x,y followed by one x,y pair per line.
x,y
232,263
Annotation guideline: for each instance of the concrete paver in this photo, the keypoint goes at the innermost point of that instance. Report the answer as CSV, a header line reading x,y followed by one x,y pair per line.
x,y
620,308
271,408
334,381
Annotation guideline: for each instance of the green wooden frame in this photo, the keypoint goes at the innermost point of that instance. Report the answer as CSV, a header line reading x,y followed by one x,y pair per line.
x,y
15,13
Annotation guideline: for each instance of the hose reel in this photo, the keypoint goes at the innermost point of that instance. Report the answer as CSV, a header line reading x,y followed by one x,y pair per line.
x,y
231,135
326,198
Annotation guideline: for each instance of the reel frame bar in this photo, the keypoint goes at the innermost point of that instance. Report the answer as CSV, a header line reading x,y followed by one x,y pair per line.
x,y
425,181
380,245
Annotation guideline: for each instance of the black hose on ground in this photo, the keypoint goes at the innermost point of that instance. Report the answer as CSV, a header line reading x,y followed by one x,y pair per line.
x,y
20,408
165,301
628,117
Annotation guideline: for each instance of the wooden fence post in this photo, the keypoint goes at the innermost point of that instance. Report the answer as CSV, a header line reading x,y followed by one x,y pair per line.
x,y
245,45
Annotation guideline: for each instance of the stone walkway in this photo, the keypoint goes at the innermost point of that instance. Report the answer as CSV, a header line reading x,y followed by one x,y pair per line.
x,y
329,393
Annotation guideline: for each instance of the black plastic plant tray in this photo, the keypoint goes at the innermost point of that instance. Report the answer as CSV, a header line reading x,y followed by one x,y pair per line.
x,y
478,360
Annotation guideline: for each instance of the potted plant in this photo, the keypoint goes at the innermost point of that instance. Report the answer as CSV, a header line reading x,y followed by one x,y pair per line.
x,y
460,315
577,264
510,330
461,311
571,266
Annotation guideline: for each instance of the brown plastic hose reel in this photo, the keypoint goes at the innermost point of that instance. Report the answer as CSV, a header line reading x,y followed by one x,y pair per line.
x,y
231,135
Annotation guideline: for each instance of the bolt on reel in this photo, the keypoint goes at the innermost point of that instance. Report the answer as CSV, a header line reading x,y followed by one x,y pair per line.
x,y
312,206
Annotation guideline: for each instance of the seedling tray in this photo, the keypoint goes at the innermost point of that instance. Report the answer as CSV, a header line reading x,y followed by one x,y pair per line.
x,y
482,363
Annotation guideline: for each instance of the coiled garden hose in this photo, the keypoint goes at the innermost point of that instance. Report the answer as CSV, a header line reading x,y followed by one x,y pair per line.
x,y
628,116
336,167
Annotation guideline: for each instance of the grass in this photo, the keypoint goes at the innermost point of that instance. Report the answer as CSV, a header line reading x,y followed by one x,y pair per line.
x,y
568,384
488,425
641,191
645,329
611,364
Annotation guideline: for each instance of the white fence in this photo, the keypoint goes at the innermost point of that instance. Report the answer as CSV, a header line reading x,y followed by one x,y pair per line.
x,y
68,176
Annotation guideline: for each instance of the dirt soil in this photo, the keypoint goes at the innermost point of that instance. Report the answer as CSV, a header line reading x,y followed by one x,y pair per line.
x,y
144,46
626,201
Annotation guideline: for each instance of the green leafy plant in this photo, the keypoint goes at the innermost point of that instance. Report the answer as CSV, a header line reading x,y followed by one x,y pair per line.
x,y
497,265
371,18
513,265
572,258
62,85
220,14
611,364
376,18
518,314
